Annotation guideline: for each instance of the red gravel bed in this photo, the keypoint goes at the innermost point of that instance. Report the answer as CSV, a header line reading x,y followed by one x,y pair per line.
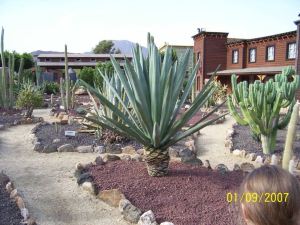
x,y
187,196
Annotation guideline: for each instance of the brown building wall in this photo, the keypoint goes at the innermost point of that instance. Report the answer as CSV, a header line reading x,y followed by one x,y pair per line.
x,y
241,60
261,52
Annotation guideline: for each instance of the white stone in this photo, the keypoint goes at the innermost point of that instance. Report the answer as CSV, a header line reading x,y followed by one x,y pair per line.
x,y
88,186
99,149
167,223
230,132
84,149
147,218
66,148
25,213
259,159
56,140
236,152
292,166
251,156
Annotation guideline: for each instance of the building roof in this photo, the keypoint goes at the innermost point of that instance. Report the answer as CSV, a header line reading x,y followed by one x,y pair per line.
x,y
82,55
210,33
252,70
274,36
175,46
70,64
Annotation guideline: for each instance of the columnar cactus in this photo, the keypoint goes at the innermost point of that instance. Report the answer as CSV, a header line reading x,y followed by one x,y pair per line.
x,y
260,104
290,137
3,74
65,86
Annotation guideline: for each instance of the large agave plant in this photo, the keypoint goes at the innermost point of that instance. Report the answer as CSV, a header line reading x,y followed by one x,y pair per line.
x,y
153,87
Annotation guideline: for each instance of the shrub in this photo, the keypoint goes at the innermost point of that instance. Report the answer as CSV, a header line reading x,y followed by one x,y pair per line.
x,y
29,98
87,75
51,88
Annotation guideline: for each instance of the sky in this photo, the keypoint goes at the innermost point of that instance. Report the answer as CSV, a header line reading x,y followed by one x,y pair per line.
x,y
49,24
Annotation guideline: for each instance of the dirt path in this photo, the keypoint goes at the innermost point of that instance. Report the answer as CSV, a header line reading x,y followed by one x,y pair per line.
x,y
210,145
47,183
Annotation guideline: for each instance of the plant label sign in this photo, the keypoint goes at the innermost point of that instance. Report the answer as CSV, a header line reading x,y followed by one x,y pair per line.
x,y
69,133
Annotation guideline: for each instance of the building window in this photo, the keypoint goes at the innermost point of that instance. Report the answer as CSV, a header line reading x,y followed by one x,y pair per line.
x,y
62,59
93,60
235,56
252,55
291,50
78,60
270,53
47,59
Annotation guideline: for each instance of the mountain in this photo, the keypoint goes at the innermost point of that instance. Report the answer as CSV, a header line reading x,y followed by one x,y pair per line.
x,y
126,46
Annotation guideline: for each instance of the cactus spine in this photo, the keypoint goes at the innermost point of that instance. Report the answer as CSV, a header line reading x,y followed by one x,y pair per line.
x,y
290,137
260,104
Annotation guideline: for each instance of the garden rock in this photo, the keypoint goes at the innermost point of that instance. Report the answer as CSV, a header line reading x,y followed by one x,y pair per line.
x,y
99,149
31,221
130,150
113,149
89,186
111,197
14,193
173,152
137,158
20,202
267,160
99,160
275,160
9,187
207,164
56,140
110,158
192,161
84,178
259,159
140,151
84,149
50,148
25,213
236,152
4,179
147,218
81,111
187,153
236,167
221,168
38,147
247,167
125,157
251,156
130,212
66,148
167,223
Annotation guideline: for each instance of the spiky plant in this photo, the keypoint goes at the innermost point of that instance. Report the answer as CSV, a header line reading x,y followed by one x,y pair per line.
x,y
260,105
153,88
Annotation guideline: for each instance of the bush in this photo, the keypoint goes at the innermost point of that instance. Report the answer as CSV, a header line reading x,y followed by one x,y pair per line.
x,y
29,98
87,75
51,88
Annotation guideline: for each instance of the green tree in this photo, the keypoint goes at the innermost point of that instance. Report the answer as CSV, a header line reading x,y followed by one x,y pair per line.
x,y
28,60
104,67
106,47
87,74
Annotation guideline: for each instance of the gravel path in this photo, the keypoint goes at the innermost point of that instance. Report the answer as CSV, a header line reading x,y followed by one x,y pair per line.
x,y
47,183
210,145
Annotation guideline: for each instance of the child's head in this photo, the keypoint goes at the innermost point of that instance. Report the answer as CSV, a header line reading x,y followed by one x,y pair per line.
x,y
267,180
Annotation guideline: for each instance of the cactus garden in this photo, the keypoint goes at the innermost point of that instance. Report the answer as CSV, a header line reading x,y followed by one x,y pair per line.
x,y
142,138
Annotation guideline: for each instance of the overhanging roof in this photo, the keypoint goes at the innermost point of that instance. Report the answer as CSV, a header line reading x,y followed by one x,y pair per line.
x,y
79,55
70,64
252,70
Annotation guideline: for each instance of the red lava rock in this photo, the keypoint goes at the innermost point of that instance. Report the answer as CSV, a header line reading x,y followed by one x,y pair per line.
x,y
187,196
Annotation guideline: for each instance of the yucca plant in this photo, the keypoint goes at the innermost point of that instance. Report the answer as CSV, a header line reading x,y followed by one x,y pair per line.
x,y
153,87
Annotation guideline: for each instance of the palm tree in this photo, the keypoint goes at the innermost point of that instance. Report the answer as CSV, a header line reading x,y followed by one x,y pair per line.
x,y
152,87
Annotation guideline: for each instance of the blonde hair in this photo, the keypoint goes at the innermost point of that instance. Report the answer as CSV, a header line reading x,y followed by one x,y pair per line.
x,y
264,181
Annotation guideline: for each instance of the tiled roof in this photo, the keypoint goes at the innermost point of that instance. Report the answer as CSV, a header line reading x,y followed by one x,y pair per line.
x,y
251,70
234,40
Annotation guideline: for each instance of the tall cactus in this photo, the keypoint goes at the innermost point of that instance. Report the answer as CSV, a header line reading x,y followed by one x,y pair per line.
x,y
3,74
260,104
65,86
11,66
38,74
290,137
20,71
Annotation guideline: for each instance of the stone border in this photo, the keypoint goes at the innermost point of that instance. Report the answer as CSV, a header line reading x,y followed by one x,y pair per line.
x,y
14,194
116,198
22,121
273,159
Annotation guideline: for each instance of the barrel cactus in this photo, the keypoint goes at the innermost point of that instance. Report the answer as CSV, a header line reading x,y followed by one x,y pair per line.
x,y
152,87
258,105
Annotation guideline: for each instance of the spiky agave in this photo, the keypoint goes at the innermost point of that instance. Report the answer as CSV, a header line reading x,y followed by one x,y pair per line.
x,y
153,90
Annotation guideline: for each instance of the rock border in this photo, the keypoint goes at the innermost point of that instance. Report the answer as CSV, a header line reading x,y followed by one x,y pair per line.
x,y
22,121
116,198
14,194
273,159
